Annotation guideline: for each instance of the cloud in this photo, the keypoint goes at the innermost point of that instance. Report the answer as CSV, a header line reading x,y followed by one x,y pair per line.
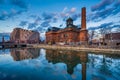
x,y
5,15
55,20
33,16
102,14
45,24
23,23
104,25
32,25
50,17
64,10
102,5
73,10
20,3
41,29
1,1
47,16
75,16
69,13
35,23
116,26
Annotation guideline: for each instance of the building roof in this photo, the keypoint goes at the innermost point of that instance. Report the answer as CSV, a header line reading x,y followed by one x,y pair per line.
x,y
69,19
53,29
24,29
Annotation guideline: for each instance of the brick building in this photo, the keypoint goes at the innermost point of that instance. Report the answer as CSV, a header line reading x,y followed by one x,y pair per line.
x,y
112,39
69,35
19,35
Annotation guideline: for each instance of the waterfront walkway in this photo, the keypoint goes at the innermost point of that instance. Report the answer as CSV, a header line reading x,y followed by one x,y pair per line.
x,y
77,48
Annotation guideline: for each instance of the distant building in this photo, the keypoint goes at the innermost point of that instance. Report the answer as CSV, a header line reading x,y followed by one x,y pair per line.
x,y
4,37
112,39
19,35
69,35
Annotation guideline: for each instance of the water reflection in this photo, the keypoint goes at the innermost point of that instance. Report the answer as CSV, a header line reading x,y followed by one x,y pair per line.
x,y
71,58
25,53
41,64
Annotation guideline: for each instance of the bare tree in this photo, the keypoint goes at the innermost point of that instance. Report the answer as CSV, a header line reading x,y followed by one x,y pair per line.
x,y
117,30
102,32
106,30
91,35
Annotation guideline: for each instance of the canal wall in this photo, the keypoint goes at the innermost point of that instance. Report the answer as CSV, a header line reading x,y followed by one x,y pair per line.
x,y
76,48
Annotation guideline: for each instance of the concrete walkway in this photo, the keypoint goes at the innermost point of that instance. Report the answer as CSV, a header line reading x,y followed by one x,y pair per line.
x,y
77,48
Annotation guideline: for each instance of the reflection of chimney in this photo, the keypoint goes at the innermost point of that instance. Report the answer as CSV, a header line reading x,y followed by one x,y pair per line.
x,y
83,71
83,19
3,40
84,59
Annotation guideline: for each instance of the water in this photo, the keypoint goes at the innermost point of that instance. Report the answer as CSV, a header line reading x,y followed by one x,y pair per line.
x,y
41,64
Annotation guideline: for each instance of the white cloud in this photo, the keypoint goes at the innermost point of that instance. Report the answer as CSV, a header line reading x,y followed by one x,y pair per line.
x,y
73,10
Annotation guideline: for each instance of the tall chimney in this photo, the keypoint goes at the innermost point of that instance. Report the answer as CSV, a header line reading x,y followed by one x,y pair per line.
x,y
83,19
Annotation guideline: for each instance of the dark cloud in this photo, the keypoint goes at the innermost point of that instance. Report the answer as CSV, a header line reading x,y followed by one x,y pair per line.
x,y
117,3
1,1
54,20
37,20
35,23
50,17
100,15
23,23
45,24
69,13
116,26
19,3
47,16
75,16
32,25
5,15
105,25
41,29
60,25
33,16
102,5
116,8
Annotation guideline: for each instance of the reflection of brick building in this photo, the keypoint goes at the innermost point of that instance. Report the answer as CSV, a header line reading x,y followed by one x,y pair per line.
x,y
21,54
70,34
70,58
24,36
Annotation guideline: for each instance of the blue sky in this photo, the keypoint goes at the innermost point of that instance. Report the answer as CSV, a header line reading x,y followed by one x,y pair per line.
x,y
42,14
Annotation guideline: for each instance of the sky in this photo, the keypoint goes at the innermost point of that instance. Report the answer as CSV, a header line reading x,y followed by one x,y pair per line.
x,y
39,15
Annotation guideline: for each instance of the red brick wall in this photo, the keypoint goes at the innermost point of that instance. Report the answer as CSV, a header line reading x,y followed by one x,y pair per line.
x,y
71,34
24,36
83,36
83,19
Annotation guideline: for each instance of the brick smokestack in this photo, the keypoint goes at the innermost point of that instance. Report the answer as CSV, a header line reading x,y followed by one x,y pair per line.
x,y
83,19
